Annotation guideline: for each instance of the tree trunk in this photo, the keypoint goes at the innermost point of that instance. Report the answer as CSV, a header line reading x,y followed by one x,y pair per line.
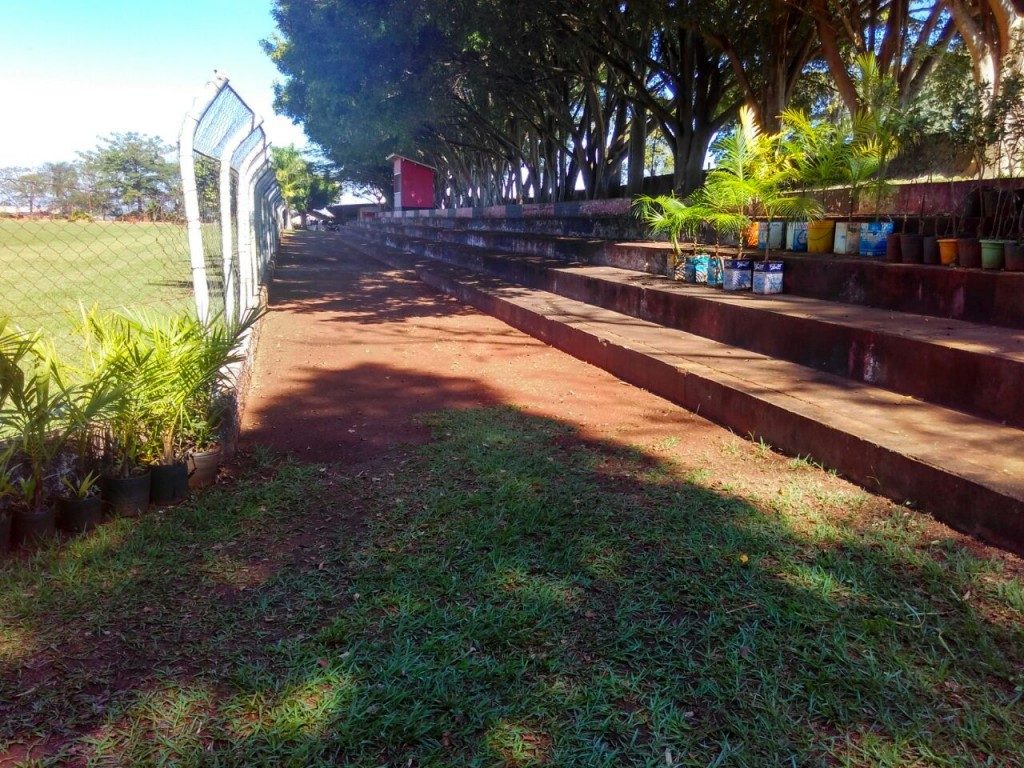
x,y
637,151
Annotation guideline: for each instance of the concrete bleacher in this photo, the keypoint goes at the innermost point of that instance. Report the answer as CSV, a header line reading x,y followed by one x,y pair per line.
x,y
905,378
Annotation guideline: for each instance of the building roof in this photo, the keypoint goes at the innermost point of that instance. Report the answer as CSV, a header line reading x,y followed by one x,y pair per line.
x,y
418,162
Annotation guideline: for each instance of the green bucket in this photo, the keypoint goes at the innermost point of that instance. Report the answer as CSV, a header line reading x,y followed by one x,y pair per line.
x,y
992,254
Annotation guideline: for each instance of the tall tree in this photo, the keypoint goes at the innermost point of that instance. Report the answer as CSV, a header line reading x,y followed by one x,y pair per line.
x,y
133,170
62,185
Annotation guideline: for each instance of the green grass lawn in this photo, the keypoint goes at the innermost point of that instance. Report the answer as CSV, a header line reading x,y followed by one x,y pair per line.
x,y
514,595
49,268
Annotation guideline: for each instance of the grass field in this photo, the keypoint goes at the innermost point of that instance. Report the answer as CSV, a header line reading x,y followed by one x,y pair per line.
x,y
516,595
48,268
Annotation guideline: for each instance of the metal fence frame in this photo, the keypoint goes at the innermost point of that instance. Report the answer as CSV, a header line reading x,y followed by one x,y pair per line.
x,y
222,127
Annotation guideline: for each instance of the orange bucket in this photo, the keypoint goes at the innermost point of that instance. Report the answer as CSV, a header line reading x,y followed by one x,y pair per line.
x,y
750,235
947,251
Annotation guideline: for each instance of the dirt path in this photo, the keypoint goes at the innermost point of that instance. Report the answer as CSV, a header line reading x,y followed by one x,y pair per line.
x,y
353,351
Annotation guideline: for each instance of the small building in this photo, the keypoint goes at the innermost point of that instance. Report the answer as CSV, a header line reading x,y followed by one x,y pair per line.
x,y
345,213
414,184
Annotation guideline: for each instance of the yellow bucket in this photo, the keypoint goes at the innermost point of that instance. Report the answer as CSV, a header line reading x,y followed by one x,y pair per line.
x,y
820,236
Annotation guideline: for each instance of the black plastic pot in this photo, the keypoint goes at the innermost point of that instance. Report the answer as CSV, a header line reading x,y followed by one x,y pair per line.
x,y
911,249
169,484
969,252
79,515
127,496
5,532
203,468
893,253
1013,257
32,527
929,250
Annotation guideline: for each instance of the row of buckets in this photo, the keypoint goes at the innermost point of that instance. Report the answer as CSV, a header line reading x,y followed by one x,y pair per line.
x,y
866,239
763,277
876,239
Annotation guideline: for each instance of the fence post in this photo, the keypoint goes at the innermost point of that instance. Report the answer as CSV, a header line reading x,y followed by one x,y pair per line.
x,y
245,239
227,242
200,285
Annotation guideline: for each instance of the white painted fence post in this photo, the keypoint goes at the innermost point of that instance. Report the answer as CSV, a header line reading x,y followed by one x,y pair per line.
x,y
187,163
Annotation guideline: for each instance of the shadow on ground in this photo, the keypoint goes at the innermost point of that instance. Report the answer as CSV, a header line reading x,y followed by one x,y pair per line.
x,y
513,594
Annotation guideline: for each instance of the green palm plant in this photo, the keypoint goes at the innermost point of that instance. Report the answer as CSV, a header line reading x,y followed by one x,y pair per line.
x,y
880,125
115,349
192,357
755,175
43,412
678,219
820,150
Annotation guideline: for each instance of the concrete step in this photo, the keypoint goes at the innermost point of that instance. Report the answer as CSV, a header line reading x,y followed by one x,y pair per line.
x,y
964,470
975,368
974,295
604,227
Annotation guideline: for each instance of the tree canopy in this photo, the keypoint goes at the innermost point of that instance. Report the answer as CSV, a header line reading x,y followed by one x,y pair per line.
x,y
553,98
126,174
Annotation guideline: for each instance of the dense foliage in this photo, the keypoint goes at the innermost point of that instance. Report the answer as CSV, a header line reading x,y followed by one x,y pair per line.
x,y
543,100
125,175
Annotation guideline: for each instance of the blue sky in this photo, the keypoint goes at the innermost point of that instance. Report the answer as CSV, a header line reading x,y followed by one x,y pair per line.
x,y
73,70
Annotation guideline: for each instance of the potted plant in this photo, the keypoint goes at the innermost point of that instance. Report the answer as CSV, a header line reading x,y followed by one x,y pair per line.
x,y
669,216
754,175
114,348
861,163
43,413
204,376
7,494
79,506
206,454
881,124
949,245
820,155
993,247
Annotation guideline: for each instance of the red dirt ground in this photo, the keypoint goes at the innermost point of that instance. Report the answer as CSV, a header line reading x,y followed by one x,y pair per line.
x,y
354,351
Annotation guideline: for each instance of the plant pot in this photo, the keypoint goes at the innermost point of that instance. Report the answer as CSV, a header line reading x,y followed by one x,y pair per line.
x,y
203,466
821,236
1013,257
689,276
847,238
737,275
714,272
169,484
5,532
929,250
911,248
770,236
948,251
76,515
750,235
968,251
893,249
874,236
127,496
768,277
796,236
32,527
992,254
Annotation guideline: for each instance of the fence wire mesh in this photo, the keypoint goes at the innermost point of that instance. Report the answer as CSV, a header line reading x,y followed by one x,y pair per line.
x,y
115,229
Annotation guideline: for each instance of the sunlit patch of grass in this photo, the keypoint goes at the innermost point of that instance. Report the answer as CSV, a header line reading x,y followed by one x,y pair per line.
x,y
519,745
522,597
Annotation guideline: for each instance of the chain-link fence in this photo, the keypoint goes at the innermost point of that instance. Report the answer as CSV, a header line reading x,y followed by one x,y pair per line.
x,y
124,226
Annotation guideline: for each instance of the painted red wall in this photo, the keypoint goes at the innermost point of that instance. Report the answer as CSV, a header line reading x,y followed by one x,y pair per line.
x,y
417,185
